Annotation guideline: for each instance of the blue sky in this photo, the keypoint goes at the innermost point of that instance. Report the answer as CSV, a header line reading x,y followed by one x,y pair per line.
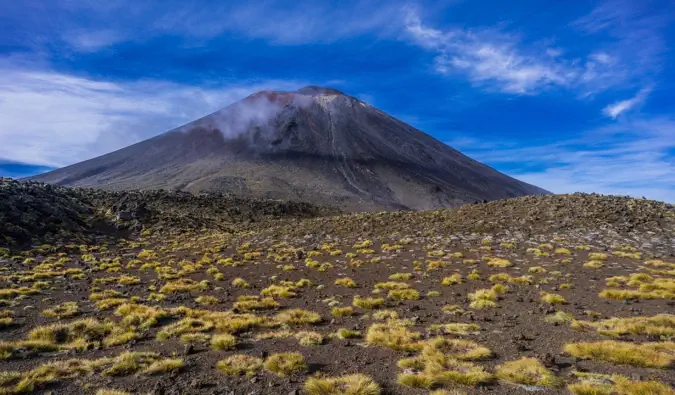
x,y
570,96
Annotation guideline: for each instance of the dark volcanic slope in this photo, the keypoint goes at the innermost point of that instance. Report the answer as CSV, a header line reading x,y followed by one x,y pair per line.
x,y
315,144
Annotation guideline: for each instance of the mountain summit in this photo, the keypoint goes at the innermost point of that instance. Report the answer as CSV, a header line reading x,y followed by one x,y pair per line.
x,y
315,144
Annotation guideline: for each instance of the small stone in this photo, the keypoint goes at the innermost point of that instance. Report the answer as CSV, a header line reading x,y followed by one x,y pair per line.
x,y
188,349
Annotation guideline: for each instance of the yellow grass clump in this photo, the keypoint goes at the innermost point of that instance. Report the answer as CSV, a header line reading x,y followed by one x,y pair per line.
x,y
650,355
528,371
352,384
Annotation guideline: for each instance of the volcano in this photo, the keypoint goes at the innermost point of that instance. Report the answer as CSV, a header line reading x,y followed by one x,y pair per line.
x,y
316,144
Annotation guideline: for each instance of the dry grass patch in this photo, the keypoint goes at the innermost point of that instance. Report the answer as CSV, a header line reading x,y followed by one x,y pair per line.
x,y
64,310
658,325
649,355
223,341
551,298
344,333
286,364
297,317
239,365
451,280
346,282
185,325
368,303
254,303
455,348
527,371
393,335
482,299
403,294
351,384
346,311
306,338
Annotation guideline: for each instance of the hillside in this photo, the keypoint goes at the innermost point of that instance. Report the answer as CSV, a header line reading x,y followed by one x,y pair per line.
x,y
316,145
564,294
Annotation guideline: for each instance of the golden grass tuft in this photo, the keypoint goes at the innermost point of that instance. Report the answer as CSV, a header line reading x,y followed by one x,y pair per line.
x,y
351,384
368,303
451,280
650,355
393,335
223,341
240,364
306,338
658,325
551,298
528,371
64,310
344,333
286,364
455,348
346,282
403,294
342,311
297,317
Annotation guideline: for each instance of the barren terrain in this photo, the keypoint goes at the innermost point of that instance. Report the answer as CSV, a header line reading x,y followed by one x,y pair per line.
x,y
551,294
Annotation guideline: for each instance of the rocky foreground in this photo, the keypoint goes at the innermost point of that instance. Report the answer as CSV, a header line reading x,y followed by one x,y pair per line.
x,y
164,293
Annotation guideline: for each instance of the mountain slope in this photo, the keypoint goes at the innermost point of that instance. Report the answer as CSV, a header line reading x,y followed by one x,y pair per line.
x,y
316,145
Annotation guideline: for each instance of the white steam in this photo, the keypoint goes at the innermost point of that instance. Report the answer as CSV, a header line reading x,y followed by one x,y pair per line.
x,y
257,112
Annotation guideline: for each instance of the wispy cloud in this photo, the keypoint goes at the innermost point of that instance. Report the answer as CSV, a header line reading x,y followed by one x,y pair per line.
x,y
499,60
630,157
615,109
485,56
53,119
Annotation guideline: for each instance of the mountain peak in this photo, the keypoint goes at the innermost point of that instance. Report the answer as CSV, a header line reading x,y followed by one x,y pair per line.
x,y
313,90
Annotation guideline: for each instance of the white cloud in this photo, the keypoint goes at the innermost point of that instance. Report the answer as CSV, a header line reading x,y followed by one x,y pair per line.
x,y
615,109
488,57
629,157
500,61
53,119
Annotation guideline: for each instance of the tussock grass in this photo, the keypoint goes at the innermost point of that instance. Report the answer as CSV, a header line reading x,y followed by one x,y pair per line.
x,y
482,299
164,366
254,303
659,325
392,285
393,335
278,291
403,294
346,282
439,370
383,315
286,364
64,310
223,341
498,262
401,277
650,355
297,317
239,283
342,311
455,348
306,338
528,371
185,325
344,333
352,384
368,303
239,365
451,280
551,298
